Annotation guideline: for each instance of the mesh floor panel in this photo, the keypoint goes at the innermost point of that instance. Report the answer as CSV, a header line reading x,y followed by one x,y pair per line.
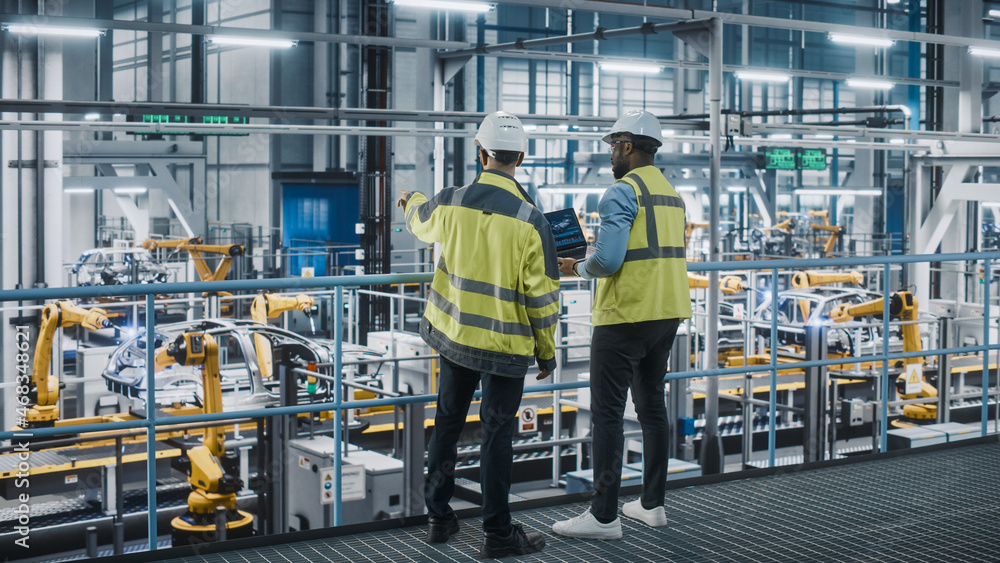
x,y
937,506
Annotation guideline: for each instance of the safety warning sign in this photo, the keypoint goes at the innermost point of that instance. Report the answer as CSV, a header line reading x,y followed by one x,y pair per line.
x,y
527,421
914,378
352,483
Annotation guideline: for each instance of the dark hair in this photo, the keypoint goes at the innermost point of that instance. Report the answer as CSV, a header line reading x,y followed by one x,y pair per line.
x,y
640,142
505,157
645,144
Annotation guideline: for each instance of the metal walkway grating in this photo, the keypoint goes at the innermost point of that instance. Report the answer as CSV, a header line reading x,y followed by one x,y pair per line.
x,y
935,506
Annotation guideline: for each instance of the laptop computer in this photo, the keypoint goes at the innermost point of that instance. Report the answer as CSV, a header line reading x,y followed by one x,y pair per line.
x,y
566,229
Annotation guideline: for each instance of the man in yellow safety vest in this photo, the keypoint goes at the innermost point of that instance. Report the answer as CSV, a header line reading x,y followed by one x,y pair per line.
x,y
491,313
642,296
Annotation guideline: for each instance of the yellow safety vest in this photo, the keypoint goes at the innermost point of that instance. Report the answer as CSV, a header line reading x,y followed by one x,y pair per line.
x,y
494,300
652,281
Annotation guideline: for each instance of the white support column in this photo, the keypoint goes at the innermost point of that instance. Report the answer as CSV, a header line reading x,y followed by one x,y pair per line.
x,y
321,82
863,174
51,61
964,114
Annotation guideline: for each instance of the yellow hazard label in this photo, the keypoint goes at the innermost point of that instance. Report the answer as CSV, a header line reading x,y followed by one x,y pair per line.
x,y
914,378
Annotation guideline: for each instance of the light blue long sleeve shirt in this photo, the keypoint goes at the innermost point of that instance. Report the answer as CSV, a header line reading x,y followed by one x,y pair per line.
x,y
618,209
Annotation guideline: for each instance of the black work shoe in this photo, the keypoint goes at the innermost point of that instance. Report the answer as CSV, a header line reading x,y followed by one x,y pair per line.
x,y
440,529
515,543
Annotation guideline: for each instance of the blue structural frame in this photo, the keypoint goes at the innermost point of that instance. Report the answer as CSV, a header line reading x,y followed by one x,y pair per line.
x,y
338,404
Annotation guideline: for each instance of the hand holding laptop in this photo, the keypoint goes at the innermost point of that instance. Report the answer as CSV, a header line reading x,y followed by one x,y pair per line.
x,y
566,266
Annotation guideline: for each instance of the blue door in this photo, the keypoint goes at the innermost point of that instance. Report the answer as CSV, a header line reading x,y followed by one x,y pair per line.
x,y
315,216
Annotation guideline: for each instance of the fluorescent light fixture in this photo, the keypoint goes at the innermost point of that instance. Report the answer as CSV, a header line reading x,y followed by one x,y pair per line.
x,y
763,76
892,1
870,83
737,189
530,127
457,5
780,136
861,40
630,67
92,116
53,30
130,190
78,190
984,52
897,141
252,41
667,133
995,13
823,136
686,188
834,191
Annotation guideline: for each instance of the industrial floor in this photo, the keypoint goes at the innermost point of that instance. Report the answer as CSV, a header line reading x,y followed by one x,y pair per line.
x,y
941,505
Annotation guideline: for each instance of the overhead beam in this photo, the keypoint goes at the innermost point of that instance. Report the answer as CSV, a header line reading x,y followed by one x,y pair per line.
x,y
639,10
600,34
303,112
698,65
189,29
923,137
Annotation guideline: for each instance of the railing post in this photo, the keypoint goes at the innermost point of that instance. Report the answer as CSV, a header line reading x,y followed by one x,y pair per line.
x,y
557,403
986,345
338,339
151,419
773,394
884,418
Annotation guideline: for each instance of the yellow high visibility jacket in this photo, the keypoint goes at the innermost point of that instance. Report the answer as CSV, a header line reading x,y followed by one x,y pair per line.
x,y
494,300
652,282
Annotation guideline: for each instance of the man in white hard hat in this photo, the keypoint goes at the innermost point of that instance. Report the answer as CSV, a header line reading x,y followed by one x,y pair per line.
x,y
642,296
491,313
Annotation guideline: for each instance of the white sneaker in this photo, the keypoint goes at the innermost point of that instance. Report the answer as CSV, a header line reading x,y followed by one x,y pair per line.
x,y
655,517
587,527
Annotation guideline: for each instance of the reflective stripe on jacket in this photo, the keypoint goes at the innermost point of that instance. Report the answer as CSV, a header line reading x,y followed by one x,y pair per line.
x,y
494,300
652,282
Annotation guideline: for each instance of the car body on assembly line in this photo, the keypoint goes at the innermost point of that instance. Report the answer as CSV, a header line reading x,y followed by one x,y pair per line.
x,y
241,376
118,266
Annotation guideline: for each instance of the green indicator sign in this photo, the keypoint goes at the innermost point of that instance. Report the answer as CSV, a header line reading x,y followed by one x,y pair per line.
x,y
780,159
212,119
812,159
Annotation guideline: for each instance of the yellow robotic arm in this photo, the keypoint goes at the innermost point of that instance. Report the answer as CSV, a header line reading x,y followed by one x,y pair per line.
x,y
730,285
831,241
211,485
813,278
689,229
788,225
195,248
824,215
697,282
902,305
271,306
45,387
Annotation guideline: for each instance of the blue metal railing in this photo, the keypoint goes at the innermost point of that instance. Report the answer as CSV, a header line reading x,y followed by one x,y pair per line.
x,y
338,404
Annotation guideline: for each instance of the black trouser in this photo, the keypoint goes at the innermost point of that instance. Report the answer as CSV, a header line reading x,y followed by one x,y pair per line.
x,y
497,411
624,356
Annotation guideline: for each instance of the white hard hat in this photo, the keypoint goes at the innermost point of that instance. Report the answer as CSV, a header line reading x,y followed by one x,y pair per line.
x,y
637,122
501,131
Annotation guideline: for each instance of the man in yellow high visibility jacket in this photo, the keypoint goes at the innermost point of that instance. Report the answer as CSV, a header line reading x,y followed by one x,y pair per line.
x,y
491,313
642,296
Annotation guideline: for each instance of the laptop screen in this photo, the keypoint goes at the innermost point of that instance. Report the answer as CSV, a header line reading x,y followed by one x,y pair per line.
x,y
566,228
